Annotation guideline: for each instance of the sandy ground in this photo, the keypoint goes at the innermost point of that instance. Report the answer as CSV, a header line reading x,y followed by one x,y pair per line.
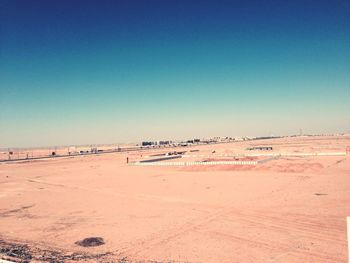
x,y
292,209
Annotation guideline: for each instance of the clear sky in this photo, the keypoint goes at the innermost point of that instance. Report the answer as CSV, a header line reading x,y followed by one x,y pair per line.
x,y
86,72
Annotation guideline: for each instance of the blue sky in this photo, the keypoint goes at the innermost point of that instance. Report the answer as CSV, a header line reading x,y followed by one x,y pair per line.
x,y
81,72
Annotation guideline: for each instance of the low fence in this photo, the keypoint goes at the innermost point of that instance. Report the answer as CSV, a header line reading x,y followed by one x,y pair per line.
x,y
194,163
266,154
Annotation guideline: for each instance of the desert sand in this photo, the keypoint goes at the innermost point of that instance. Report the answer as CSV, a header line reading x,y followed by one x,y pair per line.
x,y
288,209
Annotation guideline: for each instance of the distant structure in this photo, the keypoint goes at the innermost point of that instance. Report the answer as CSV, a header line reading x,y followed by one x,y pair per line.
x,y
164,142
147,143
260,148
159,143
196,141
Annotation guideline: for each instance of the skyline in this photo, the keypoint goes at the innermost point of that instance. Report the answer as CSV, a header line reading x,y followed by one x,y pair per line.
x,y
103,72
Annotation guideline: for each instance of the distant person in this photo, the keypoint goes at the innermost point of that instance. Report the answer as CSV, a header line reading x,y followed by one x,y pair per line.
x,y
127,159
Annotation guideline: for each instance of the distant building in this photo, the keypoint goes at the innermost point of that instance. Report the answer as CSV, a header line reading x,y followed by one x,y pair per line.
x,y
193,141
147,143
164,142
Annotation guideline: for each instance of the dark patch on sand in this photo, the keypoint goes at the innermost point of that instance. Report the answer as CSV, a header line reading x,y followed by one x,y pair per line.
x,y
25,253
90,242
